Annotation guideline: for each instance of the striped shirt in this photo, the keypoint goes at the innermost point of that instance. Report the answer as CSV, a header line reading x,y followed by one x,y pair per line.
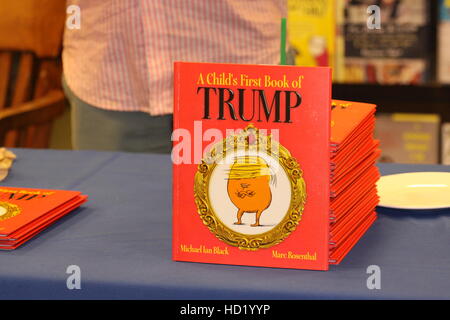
x,y
121,58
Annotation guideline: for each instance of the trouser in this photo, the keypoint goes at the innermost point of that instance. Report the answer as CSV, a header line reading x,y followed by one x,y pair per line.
x,y
98,129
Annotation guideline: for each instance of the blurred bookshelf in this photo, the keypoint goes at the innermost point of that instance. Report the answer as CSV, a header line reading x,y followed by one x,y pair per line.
x,y
432,98
427,97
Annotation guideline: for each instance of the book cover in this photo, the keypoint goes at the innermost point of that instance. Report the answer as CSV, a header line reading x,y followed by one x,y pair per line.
x,y
30,230
444,42
21,207
353,175
408,137
251,165
398,52
311,31
45,220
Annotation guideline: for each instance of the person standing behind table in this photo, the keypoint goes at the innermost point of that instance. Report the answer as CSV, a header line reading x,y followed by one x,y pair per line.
x,y
118,66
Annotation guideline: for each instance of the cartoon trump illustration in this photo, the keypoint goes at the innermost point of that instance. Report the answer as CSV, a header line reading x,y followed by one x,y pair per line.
x,y
249,190
248,186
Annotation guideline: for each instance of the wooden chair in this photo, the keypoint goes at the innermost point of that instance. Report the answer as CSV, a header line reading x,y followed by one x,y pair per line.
x,y
30,71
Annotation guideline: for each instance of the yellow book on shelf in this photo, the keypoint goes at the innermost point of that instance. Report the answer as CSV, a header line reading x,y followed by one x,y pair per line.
x,y
444,42
311,32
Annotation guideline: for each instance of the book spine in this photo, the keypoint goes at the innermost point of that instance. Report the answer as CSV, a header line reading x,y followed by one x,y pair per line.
x,y
388,45
443,64
176,170
445,143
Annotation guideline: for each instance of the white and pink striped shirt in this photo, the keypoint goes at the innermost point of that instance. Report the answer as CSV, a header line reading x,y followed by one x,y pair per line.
x,y
122,56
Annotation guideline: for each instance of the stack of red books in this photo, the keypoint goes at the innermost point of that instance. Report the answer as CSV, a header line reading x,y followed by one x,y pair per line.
x,y
261,178
26,212
353,175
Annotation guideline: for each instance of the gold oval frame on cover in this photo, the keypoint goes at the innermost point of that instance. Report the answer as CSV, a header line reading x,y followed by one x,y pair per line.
x,y
260,143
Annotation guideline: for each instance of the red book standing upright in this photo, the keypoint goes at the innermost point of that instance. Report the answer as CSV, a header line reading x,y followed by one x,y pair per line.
x,y
252,173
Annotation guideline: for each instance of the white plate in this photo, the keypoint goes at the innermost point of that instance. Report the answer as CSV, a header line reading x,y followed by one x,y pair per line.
x,y
415,190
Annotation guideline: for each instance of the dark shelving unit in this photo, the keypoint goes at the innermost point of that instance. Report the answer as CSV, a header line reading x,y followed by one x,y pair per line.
x,y
398,98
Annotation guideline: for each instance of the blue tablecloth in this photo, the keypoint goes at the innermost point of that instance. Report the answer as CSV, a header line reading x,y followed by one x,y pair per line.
x,y
121,241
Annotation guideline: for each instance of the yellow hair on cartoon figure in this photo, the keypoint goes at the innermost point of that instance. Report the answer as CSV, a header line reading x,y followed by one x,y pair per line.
x,y
248,167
